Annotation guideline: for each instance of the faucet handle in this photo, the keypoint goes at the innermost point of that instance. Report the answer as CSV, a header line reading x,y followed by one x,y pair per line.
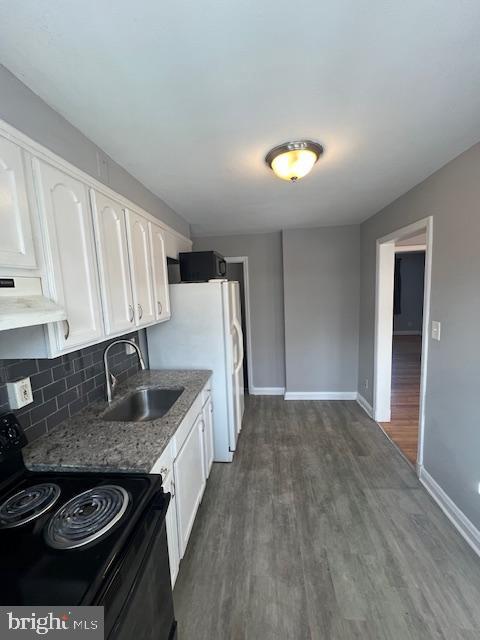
x,y
113,380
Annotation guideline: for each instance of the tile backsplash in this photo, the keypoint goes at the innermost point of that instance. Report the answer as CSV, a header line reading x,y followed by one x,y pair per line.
x,y
65,385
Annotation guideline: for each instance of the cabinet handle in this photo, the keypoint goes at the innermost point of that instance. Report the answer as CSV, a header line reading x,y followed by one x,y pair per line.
x,y
140,312
160,308
132,315
172,489
67,330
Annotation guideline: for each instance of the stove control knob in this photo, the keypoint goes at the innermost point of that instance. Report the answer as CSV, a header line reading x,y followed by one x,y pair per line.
x,y
12,433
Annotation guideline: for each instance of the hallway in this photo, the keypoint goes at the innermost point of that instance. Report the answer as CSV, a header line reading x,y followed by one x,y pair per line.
x,y
319,530
405,402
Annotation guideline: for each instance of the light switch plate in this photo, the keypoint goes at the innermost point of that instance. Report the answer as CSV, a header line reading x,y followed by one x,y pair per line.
x,y
19,393
436,330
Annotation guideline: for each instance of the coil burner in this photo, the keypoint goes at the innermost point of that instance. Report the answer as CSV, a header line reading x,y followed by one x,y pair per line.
x,y
87,517
28,504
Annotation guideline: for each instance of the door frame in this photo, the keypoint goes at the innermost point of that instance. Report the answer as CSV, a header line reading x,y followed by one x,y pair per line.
x,y
384,284
248,325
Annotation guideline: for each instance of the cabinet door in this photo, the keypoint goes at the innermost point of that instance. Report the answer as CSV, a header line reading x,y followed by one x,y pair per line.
x,y
160,273
140,268
172,533
111,237
208,435
16,239
71,261
189,482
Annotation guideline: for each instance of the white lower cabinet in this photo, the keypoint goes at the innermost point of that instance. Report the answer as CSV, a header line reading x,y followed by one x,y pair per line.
x,y
189,481
208,435
172,529
164,467
183,466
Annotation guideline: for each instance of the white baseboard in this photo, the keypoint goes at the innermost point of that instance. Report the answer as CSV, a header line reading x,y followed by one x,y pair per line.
x,y
366,406
407,333
266,391
320,395
465,527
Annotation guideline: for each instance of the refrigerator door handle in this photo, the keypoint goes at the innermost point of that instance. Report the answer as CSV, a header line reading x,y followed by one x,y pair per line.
x,y
239,332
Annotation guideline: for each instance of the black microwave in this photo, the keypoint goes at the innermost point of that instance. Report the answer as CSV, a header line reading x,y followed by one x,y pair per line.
x,y
201,266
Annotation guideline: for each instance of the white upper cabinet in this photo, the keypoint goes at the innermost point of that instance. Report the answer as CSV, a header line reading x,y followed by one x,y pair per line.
x,y
70,255
92,251
160,273
111,236
141,268
16,238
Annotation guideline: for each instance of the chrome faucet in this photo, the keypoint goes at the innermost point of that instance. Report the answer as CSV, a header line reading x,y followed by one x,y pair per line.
x,y
110,379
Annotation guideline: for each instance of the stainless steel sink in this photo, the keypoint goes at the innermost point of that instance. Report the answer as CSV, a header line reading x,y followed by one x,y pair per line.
x,y
144,405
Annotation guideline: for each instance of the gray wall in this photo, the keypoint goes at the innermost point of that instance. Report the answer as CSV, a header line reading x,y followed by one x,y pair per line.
x,y
452,435
264,251
412,274
24,110
321,274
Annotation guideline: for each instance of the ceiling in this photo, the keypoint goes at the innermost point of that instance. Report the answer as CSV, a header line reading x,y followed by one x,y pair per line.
x,y
188,96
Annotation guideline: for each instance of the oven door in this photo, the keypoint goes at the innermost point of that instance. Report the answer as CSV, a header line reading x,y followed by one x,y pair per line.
x,y
138,602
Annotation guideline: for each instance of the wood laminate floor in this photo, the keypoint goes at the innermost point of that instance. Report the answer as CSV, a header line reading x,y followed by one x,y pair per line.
x,y
320,530
405,401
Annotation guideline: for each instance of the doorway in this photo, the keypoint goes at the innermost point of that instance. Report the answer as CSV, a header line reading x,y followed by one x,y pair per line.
x,y
237,270
401,335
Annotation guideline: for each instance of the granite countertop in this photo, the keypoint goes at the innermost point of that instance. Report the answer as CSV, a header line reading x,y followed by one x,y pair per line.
x,y
87,442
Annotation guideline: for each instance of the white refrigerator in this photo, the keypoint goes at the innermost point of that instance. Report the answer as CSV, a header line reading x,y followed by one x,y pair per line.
x,y
205,332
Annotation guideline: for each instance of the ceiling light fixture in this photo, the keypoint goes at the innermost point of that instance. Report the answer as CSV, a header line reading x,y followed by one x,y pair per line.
x,y
293,160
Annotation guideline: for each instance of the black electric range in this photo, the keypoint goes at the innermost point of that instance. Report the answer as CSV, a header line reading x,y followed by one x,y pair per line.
x,y
84,539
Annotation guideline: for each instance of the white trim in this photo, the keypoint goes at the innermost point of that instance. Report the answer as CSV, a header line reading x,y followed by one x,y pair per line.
x,y
39,151
382,378
366,406
384,323
409,248
320,395
248,322
266,391
465,527
407,333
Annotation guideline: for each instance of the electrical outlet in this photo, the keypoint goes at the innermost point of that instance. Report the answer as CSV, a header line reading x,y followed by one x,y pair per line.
x,y
130,350
19,393
436,330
